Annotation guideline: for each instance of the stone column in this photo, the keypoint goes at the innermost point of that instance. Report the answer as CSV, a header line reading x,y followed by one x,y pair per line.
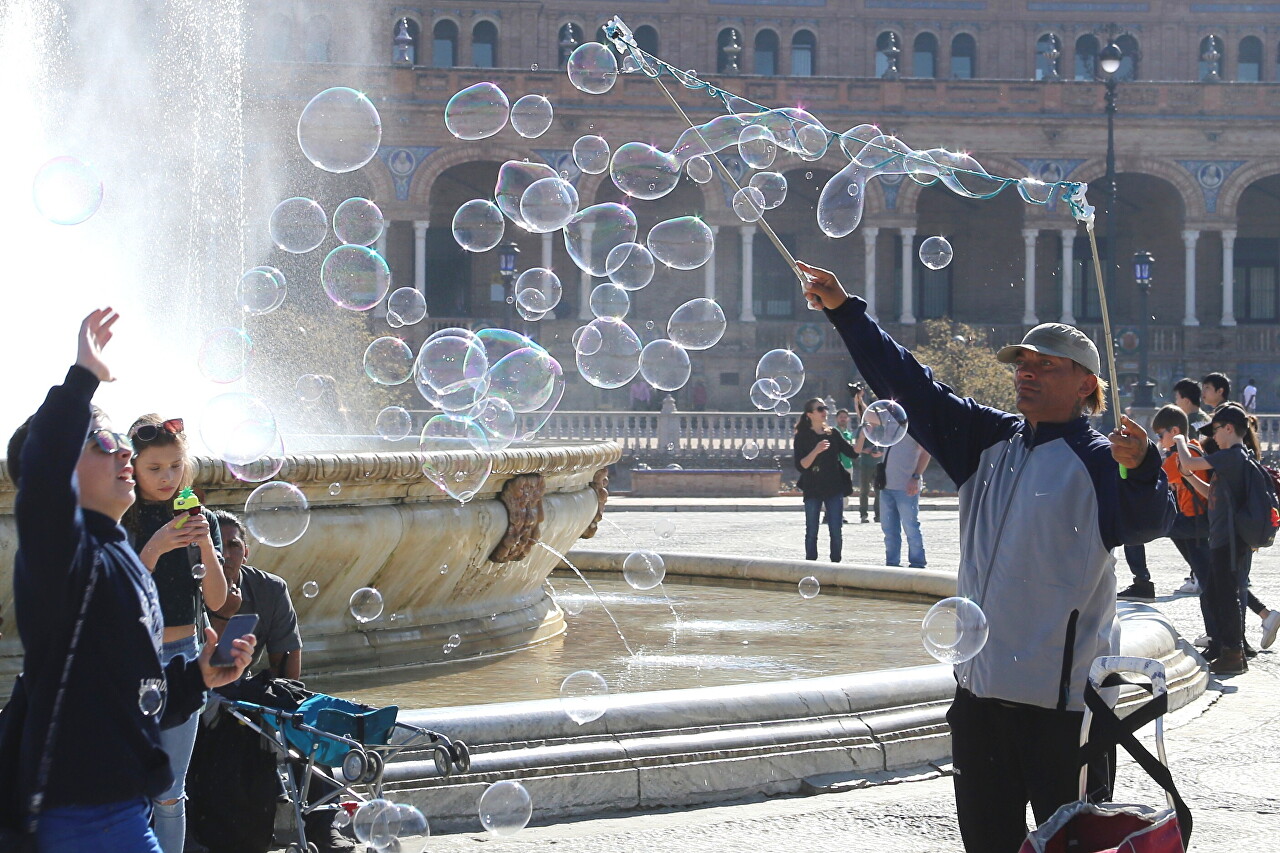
x,y
1068,275
869,235
1029,236
747,314
420,256
1229,277
709,269
584,277
546,250
908,277
1189,239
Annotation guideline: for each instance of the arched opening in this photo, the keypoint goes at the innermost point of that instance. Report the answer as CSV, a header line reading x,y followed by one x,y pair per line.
x,y
1249,61
1047,52
964,57
804,54
647,39
484,45
887,53
1257,253
765,56
728,49
1087,50
413,31
1130,60
568,39
1210,67
319,32
924,56
444,44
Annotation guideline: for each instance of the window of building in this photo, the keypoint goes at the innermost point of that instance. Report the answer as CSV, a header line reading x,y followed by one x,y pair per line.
x,y
647,39
318,33
887,49
924,56
484,45
765,57
568,39
728,49
1257,292
1130,60
1084,292
1087,50
1210,66
1047,53
444,44
774,289
964,57
804,54
1249,62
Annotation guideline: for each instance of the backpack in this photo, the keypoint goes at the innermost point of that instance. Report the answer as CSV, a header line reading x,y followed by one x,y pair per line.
x,y
1258,516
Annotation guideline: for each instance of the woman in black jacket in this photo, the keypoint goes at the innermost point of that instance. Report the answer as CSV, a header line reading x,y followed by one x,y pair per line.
x,y
823,480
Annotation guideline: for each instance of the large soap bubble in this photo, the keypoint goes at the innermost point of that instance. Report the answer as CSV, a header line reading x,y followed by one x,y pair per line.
x,y
592,68
277,514
478,225
339,130
365,604
538,289
643,569
617,360
358,221
371,822
884,423
757,146
699,169
590,236
665,365
388,361
514,178
697,324
263,468
238,428
66,191
456,460
261,290
642,171
584,695
499,421
451,372
935,253
406,306
591,154
477,112
630,266
785,368
586,340
505,808
355,277
531,116
393,423
525,378
610,301
685,242
954,630
298,225
841,203
224,355
548,204
748,204
772,187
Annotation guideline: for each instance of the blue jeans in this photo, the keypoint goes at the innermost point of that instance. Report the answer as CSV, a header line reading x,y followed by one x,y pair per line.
x,y
118,827
834,507
900,511
171,820
1136,557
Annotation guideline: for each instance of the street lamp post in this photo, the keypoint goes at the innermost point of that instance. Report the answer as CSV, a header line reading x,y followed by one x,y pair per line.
x,y
1143,265
508,262
1109,62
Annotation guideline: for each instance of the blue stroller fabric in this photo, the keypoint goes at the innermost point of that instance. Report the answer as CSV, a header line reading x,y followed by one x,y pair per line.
x,y
365,725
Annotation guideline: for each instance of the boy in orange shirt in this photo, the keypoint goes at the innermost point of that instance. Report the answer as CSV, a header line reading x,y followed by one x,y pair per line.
x,y
1190,531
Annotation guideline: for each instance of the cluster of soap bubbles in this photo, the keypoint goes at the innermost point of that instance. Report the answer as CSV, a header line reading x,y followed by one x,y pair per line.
x,y
386,826
779,377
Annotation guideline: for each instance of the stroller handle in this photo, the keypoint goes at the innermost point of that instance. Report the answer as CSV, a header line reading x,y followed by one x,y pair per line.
x,y
1102,668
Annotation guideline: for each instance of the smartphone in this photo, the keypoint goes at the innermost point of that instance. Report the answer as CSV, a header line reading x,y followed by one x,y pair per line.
x,y
237,627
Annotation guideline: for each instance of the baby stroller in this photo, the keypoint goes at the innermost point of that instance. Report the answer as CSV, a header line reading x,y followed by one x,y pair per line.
x,y
328,746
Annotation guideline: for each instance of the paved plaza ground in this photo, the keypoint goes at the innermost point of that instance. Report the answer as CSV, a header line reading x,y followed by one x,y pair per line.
x,y
1224,748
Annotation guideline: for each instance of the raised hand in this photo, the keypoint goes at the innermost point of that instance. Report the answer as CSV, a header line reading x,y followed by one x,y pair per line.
x,y
1128,443
95,334
241,655
823,288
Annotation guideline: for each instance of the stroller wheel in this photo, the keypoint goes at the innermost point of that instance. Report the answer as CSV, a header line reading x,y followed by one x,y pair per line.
x,y
312,848
461,756
354,765
444,764
376,763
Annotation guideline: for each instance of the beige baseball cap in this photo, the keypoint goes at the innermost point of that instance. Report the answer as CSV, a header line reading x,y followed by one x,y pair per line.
x,y
1056,339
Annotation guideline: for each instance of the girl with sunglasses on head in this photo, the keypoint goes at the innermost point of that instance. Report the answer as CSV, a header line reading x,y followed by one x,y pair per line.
x,y
824,482
172,547
80,751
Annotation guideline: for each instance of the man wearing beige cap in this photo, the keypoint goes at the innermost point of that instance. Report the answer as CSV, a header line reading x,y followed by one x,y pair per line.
x,y
1042,506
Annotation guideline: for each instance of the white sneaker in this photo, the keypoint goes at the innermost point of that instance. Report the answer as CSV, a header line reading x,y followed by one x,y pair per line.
x,y
1190,586
1270,627
1201,642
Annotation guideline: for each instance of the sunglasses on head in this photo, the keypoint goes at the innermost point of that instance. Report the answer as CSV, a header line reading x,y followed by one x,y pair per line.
x,y
110,442
150,432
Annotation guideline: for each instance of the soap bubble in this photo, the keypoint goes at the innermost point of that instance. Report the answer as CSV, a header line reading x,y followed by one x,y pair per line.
x,y
358,221
224,355
842,200
1034,191
783,367
376,821
595,232
665,365
954,630
263,468
610,301
412,825
477,112
884,423
238,428
699,169
584,696
809,587
757,147
310,589
685,242
66,191
548,205
388,361
261,290
452,643
335,489
198,571
664,528
591,154
365,604
772,187
514,178
765,393
592,68
277,514
499,343
750,449
393,423
935,253
587,340
748,204
478,225
525,378
309,387
812,141
782,407
525,314
150,699
630,266
538,289
642,171
498,420
616,361
298,225
531,116
457,460
407,306
339,130
643,570
355,277
451,372
505,808
697,324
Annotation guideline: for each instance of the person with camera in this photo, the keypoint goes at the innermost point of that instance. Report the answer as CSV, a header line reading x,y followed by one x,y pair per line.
x,y
823,480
